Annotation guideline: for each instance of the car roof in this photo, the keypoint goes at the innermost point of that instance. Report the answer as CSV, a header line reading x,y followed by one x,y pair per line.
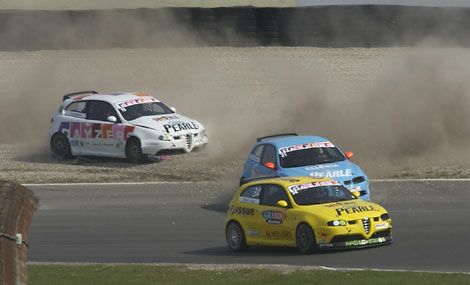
x,y
293,140
286,181
112,98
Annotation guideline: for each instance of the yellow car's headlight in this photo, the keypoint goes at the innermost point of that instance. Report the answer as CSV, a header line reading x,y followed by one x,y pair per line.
x,y
336,223
385,217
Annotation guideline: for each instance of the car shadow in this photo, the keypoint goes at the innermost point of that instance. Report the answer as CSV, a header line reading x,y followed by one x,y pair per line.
x,y
259,251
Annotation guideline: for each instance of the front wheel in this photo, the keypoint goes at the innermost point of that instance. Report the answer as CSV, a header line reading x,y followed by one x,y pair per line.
x,y
60,146
235,237
134,151
305,237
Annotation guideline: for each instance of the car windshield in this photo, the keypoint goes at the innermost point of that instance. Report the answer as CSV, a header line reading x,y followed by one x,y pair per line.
x,y
310,156
146,109
321,195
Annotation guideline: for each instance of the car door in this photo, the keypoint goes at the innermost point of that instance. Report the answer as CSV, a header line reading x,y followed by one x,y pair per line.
x,y
269,157
102,136
248,209
275,222
71,125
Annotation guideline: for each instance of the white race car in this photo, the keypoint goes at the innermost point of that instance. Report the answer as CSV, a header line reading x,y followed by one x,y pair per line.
x,y
124,125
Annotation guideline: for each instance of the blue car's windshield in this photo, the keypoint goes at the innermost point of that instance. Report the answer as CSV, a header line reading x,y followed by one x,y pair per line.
x,y
310,156
321,195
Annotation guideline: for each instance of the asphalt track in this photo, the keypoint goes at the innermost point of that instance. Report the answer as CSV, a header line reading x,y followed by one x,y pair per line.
x,y
184,222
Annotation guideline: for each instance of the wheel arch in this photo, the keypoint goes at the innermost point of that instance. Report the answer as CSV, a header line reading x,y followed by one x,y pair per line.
x,y
232,220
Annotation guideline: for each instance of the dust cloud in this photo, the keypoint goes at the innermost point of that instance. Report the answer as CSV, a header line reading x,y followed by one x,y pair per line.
x,y
395,107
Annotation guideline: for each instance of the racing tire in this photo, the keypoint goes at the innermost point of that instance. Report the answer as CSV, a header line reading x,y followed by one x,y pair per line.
x,y
235,237
60,146
134,151
305,238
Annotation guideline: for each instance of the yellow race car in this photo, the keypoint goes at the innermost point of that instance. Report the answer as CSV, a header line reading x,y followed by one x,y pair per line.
x,y
306,213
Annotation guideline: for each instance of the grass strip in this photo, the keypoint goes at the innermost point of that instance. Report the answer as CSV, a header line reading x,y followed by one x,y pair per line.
x,y
157,274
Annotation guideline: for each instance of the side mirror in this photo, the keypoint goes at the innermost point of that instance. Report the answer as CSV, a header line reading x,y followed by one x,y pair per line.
x,y
356,194
173,109
270,165
111,119
349,154
282,203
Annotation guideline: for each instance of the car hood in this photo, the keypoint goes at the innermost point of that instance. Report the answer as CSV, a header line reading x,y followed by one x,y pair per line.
x,y
347,210
339,171
170,123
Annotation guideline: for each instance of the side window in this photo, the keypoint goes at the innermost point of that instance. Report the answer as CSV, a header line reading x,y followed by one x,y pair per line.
x,y
272,194
251,195
256,153
269,154
76,109
100,111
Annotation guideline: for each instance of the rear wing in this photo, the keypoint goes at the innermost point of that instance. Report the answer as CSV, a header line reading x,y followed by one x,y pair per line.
x,y
71,95
275,136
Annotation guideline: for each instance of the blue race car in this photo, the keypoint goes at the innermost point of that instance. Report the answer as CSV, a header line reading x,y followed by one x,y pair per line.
x,y
294,155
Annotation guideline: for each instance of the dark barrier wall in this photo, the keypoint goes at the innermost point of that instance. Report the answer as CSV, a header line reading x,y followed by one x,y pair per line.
x,y
334,26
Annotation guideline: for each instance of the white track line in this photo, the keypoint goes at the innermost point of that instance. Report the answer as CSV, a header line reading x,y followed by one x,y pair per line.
x,y
238,266
114,183
189,182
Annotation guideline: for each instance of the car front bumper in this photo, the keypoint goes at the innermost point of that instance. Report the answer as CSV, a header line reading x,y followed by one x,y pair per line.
x,y
354,236
186,144
357,243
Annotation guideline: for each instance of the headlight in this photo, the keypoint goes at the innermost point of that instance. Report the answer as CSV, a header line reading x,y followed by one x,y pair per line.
x,y
336,223
358,179
165,137
385,217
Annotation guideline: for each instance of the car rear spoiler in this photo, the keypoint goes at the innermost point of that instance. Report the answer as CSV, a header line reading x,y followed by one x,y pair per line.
x,y
274,136
70,95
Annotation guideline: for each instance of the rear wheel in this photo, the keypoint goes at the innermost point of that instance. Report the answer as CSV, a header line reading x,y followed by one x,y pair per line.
x,y
235,237
60,146
134,151
305,237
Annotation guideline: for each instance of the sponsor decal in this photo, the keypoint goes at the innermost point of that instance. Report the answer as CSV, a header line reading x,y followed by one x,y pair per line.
x,y
180,126
321,166
165,118
242,211
249,200
123,105
355,209
294,189
252,232
76,130
279,235
332,173
283,151
274,217
365,241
